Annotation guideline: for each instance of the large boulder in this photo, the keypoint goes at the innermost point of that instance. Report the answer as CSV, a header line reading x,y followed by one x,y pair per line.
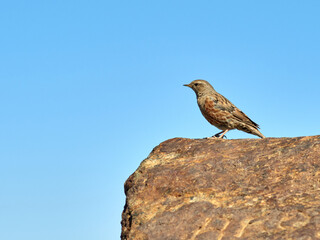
x,y
226,189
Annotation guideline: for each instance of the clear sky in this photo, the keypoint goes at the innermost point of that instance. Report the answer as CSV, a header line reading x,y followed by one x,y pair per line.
x,y
88,88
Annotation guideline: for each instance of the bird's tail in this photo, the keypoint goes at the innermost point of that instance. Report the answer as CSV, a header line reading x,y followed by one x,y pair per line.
x,y
258,133
251,130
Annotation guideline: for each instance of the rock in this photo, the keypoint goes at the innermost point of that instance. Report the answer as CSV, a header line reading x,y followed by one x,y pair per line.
x,y
226,189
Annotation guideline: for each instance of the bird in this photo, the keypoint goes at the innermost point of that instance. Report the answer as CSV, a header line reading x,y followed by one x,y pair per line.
x,y
220,112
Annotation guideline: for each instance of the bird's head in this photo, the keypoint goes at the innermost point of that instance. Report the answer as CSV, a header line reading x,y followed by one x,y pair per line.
x,y
200,87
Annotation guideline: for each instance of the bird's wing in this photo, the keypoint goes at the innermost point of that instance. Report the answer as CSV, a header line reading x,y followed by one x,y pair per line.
x,y
243,117
224,104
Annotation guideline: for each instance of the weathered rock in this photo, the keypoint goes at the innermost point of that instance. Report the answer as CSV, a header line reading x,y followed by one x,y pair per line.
x,y
226,189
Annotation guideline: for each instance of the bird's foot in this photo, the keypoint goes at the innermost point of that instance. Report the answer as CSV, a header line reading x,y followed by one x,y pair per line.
x,y
219,136
213,137
216,136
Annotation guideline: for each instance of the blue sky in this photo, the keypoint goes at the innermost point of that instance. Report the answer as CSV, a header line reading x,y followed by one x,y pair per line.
x,y
88,88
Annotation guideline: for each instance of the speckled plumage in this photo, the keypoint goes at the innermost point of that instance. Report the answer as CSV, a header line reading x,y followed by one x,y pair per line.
x,y
220,112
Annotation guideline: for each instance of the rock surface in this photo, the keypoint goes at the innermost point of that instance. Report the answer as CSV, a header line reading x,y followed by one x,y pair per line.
x,y
226,189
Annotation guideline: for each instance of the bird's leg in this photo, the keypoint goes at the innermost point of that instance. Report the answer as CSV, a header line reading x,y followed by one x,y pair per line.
x,y
218,134
223,133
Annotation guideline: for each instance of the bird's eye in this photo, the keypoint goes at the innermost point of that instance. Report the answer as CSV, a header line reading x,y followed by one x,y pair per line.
x,y
196,84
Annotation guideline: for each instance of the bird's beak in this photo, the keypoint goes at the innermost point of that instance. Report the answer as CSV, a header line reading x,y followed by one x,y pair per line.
x,y
186,85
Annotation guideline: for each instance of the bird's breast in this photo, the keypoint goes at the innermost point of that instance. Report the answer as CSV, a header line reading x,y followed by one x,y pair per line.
x,y
214,115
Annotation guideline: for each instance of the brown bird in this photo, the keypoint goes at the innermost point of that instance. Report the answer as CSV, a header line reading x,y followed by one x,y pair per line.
x,y
220,112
